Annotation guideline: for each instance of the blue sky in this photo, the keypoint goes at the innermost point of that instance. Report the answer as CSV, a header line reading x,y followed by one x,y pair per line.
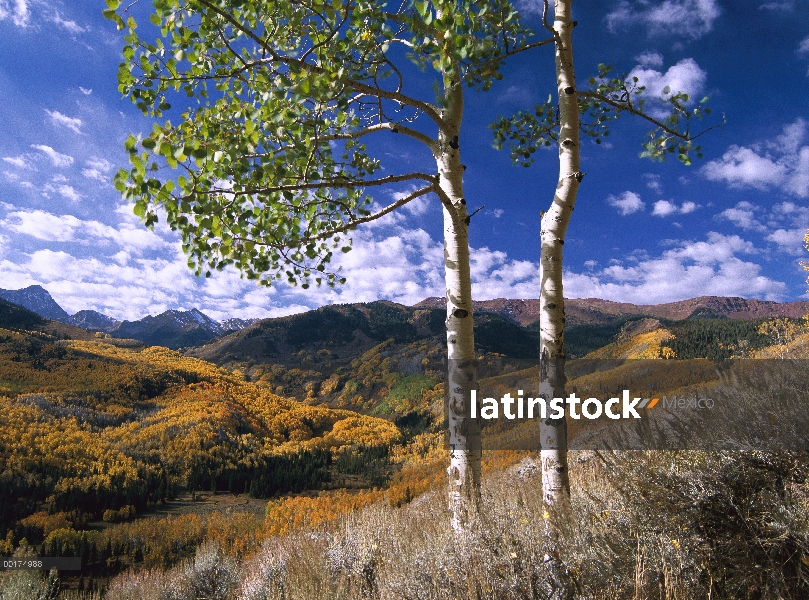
x,y
732,224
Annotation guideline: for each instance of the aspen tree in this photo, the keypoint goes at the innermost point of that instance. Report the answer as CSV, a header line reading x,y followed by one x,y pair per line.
x,y
268,169
602,100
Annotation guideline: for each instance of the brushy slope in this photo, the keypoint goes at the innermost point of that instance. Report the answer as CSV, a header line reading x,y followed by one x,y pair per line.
x,y
645,525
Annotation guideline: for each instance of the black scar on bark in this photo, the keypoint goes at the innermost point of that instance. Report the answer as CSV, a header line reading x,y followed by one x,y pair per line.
x,y
460,313
453,143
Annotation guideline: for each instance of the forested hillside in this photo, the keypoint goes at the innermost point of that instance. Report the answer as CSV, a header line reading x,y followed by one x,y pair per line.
x,y
93,432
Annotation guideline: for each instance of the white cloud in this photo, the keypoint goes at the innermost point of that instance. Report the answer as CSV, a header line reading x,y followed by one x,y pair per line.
x,y
97,169
85,91
780,163
684,77
47,226
18,161
527,7
789,241
516,94
784,223
69,26
627,203
803,47
689,269
650,58
402,265
58,159
100,164
690,18
418,206
68,192
783,5
498,212
743,215
16,10
94,174
664,208
71,123
741,166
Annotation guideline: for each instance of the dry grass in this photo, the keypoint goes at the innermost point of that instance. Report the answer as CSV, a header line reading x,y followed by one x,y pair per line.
x,y
644,524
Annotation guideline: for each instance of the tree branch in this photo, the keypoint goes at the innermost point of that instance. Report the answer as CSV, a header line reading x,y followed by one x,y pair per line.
x,y
390,126
634,111
429,109
355,222
517,51
337,184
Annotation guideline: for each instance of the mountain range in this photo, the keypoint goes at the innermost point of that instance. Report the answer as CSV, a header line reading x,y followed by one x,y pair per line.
x,y
359,326
172,328
580,311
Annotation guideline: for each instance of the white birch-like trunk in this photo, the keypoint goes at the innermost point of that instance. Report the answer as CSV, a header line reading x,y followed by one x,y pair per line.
x,y
464,433
554,222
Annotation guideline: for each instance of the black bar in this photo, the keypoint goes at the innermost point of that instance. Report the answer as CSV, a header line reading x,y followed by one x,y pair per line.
x,y
39,563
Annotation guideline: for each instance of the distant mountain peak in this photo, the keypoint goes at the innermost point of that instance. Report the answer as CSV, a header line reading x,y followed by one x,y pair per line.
x,y
91,319
36,299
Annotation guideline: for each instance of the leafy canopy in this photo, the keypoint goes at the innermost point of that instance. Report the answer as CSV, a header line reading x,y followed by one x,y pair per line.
x,y
266,168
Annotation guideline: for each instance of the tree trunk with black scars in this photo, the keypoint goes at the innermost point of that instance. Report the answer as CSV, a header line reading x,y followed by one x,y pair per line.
x,y
464,433
554,222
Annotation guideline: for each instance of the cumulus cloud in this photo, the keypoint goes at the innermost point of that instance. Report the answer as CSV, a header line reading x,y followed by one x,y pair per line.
x,y
743,215
684,77
16,10
789,241
689,18
59,119
664,208
50,227
627,203
688,269
783,223
58,159
126,271
780,163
